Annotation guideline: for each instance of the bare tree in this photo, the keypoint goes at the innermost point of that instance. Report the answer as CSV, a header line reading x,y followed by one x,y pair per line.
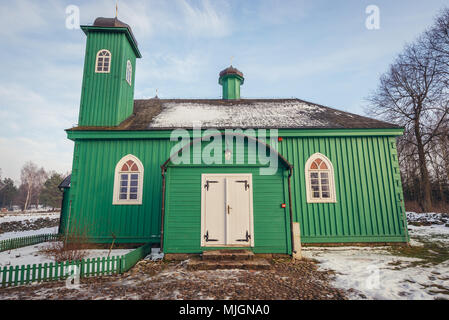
x,y
413,94
437,40
32,179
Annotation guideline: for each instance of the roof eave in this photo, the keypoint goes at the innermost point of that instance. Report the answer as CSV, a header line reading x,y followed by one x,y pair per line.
x,y
86,29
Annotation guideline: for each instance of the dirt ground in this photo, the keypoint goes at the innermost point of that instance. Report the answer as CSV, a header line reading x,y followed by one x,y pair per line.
x,y
286,280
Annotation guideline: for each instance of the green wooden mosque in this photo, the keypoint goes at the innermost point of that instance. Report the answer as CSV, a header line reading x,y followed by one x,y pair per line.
x,y
196,175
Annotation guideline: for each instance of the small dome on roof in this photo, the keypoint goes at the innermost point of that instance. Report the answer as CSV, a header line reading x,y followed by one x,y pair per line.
x,y
231,70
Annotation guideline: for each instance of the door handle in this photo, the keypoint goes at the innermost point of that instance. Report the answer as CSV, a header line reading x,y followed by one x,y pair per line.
x,y
229,209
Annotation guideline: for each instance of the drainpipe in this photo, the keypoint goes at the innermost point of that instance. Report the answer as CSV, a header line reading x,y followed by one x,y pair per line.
x,y
163,207
290,209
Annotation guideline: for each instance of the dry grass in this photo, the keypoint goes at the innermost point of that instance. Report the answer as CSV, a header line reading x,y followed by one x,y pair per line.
x,y
72,247
438,207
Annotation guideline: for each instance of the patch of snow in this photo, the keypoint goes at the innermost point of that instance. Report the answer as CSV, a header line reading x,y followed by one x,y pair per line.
x,y
254,115
18,234
31,255
376,273
428,217
10,217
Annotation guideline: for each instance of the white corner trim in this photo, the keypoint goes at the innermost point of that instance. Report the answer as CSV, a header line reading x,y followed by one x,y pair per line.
x,y
332,191
116,191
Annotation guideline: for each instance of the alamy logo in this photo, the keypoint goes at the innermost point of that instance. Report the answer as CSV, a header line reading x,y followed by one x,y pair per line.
x,y
72,20
73,277
372,22
234,146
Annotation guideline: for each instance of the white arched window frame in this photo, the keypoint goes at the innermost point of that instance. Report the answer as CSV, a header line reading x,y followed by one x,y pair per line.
x,y
129,72
320,183
103,61
128,181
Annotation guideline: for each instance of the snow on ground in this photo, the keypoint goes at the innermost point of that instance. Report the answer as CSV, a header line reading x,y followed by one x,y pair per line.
x,y
31,255
18,234
24,221
419,272
9,217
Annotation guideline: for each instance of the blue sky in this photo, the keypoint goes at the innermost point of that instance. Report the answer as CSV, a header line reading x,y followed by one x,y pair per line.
x,y
319,51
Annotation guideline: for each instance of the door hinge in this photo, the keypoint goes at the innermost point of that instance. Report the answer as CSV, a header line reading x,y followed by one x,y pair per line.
x,y
206,237
248,236
245,182
207,184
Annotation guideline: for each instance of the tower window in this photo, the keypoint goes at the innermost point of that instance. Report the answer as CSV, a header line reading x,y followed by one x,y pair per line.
x,y
128,181
320,179
129,72
103,62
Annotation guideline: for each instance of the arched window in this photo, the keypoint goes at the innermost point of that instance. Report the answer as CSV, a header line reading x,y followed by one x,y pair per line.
x,y
320,179
128,181
103,62
129,72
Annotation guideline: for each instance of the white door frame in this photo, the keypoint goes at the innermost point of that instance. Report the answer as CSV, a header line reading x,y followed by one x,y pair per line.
x,y
206,176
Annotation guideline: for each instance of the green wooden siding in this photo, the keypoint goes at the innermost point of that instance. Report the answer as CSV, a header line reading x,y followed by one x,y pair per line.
x,y
368,190
183,209
65,209
92,189
369,196
106,98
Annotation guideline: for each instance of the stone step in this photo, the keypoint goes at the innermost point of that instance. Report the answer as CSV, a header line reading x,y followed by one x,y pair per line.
x,y
254,264
227,255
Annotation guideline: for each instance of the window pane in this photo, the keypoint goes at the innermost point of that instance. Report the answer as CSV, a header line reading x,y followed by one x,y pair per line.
x,y
324,175
123,190
134,183
124,177
124,183
133,190
314,181
326,195
122,196
133,196
134,176
324,181
325,188
314,175
315,188
316,194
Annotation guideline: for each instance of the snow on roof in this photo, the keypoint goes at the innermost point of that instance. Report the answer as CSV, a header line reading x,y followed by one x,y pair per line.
x,y
160,114
251,115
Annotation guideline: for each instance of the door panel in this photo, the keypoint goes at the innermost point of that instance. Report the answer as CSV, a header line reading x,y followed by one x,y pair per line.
x,y
238,215
214,211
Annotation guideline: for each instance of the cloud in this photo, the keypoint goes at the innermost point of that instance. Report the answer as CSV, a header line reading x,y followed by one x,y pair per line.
x,y
206,20
279,12
53,154
156,18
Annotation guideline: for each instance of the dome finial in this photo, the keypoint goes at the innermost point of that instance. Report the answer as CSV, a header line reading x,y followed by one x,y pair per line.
x,y
231,79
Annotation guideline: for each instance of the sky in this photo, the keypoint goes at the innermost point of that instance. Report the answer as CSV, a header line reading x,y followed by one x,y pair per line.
x,y
319,51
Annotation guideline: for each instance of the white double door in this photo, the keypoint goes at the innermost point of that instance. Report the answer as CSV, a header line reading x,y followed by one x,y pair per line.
x,y
227,210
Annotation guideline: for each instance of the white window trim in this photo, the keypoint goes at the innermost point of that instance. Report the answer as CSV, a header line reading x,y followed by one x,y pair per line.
x,y
129,76
96,61
116,194
333,196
